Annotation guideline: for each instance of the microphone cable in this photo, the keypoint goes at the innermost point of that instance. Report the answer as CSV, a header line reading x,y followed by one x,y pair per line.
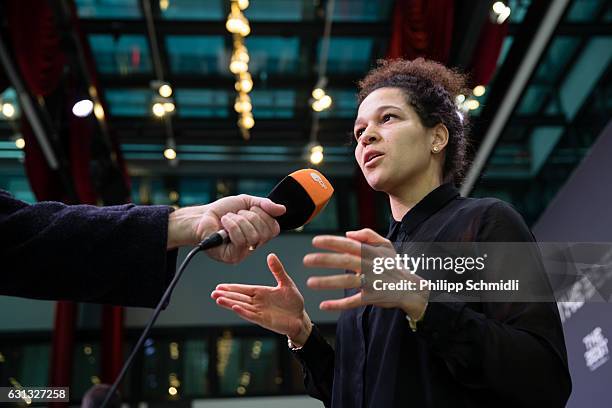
x,y
211,241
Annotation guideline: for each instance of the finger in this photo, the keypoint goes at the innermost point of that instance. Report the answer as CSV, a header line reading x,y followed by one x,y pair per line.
x,y
345,281
229,303
367,235
262,232
234,231
342,304
248,290
248,229
231,295
278,270
333,261
246,314
270,222
265,204
338,244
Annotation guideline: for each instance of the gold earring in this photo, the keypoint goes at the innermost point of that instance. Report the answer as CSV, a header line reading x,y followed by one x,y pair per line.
x,y
435,149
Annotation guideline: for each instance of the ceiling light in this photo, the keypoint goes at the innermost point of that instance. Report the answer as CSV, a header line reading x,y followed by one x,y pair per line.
x,y
244,83
170,153
316,154
243,103
499,7
165,90
20,143
8,110
326,101
81,109
158,109
169,107
472,104
318,93
243,4
246,121
236,22
479,90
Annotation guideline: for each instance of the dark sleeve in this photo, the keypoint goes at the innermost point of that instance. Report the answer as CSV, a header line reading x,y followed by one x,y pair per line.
x,y
317,359
84,253
511,351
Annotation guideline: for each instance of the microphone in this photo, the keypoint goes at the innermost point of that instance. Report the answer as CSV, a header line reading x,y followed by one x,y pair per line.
x,y
304,193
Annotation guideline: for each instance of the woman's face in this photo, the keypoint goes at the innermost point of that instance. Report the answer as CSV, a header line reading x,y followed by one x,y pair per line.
x,y
393,147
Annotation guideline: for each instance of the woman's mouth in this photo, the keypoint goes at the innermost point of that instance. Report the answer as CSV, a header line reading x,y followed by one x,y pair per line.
x,y
372,159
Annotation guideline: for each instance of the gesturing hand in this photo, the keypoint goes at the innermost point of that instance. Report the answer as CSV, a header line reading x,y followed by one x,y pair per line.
x,y
279,308
356,252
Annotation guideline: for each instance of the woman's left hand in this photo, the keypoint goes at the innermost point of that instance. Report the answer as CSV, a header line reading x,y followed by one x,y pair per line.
x,y
356,252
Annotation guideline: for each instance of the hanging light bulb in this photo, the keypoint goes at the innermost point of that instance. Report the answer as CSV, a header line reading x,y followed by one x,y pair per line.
x,y
236,22
479,90
8,110
318,93
158,109
246,120
316,154
472,104
244,82
20,142
170,153
165,90
326,101
243,4
243,103
240,61
168,107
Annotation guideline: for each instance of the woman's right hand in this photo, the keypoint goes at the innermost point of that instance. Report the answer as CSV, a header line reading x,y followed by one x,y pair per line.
x,y
279,308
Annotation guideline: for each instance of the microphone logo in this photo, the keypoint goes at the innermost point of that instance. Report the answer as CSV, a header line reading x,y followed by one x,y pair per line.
x,y
318,179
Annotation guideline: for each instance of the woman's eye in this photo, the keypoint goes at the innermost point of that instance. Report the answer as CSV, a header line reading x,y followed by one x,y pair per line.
x,y
358,133
387,117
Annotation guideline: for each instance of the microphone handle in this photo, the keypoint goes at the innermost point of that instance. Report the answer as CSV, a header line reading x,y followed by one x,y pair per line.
x,y
214,240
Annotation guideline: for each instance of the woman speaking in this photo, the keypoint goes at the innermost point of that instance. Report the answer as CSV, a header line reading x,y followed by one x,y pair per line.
x,y
414,350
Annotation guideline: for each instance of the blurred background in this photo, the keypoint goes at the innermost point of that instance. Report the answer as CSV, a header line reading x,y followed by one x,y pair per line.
x,y
157,102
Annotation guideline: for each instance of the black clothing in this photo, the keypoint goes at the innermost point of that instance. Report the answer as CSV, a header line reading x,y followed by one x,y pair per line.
x,y
463,354
85,253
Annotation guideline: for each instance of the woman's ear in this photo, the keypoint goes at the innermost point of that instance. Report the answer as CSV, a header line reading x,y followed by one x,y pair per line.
x,y
439,138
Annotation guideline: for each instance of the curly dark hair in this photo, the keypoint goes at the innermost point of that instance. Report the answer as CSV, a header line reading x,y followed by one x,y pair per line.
x,y
431,89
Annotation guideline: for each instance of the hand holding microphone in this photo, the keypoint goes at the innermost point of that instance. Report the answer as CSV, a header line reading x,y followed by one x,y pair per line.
x,y
247,220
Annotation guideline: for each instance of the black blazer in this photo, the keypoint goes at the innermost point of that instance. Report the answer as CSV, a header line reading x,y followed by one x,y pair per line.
x,y
114,255
463,354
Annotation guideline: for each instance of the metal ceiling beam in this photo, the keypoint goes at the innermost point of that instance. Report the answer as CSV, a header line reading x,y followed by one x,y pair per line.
x,y
216,27
273,81
575,29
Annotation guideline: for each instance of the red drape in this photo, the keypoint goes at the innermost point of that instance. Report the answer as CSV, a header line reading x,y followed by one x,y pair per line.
x,y
36,43
422,28
486,53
